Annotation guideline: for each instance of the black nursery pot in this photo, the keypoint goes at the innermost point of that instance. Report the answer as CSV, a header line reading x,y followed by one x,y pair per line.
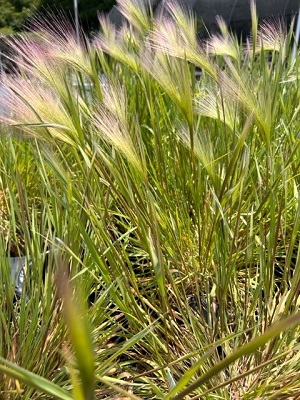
x,y
18,274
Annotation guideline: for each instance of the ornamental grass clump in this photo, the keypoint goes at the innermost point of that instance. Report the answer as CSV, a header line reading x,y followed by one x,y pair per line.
x,y
159,214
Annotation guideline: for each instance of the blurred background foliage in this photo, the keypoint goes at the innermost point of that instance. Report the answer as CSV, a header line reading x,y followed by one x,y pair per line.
x,y
15,13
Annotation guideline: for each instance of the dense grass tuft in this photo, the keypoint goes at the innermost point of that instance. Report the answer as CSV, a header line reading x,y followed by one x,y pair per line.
x,y
159,213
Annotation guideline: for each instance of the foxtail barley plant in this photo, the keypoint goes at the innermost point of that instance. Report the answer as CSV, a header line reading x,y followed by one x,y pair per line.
x,y
159,214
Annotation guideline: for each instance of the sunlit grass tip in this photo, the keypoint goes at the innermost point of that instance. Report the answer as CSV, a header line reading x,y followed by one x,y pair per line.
x,y
111,121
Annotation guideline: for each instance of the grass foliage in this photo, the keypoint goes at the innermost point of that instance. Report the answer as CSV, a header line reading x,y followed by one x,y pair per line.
x,y
167,207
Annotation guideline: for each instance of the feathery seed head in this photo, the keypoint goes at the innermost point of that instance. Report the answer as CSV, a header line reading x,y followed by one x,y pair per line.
x,y
32,107
114,100
220,45
59,36
174,77
137,13
175,34
202,147
117,45
271,36
184,19
30,54
111,122
214,105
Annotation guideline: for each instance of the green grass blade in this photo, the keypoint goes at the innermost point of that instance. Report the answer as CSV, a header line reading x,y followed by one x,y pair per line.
x,y
33,380
247,349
